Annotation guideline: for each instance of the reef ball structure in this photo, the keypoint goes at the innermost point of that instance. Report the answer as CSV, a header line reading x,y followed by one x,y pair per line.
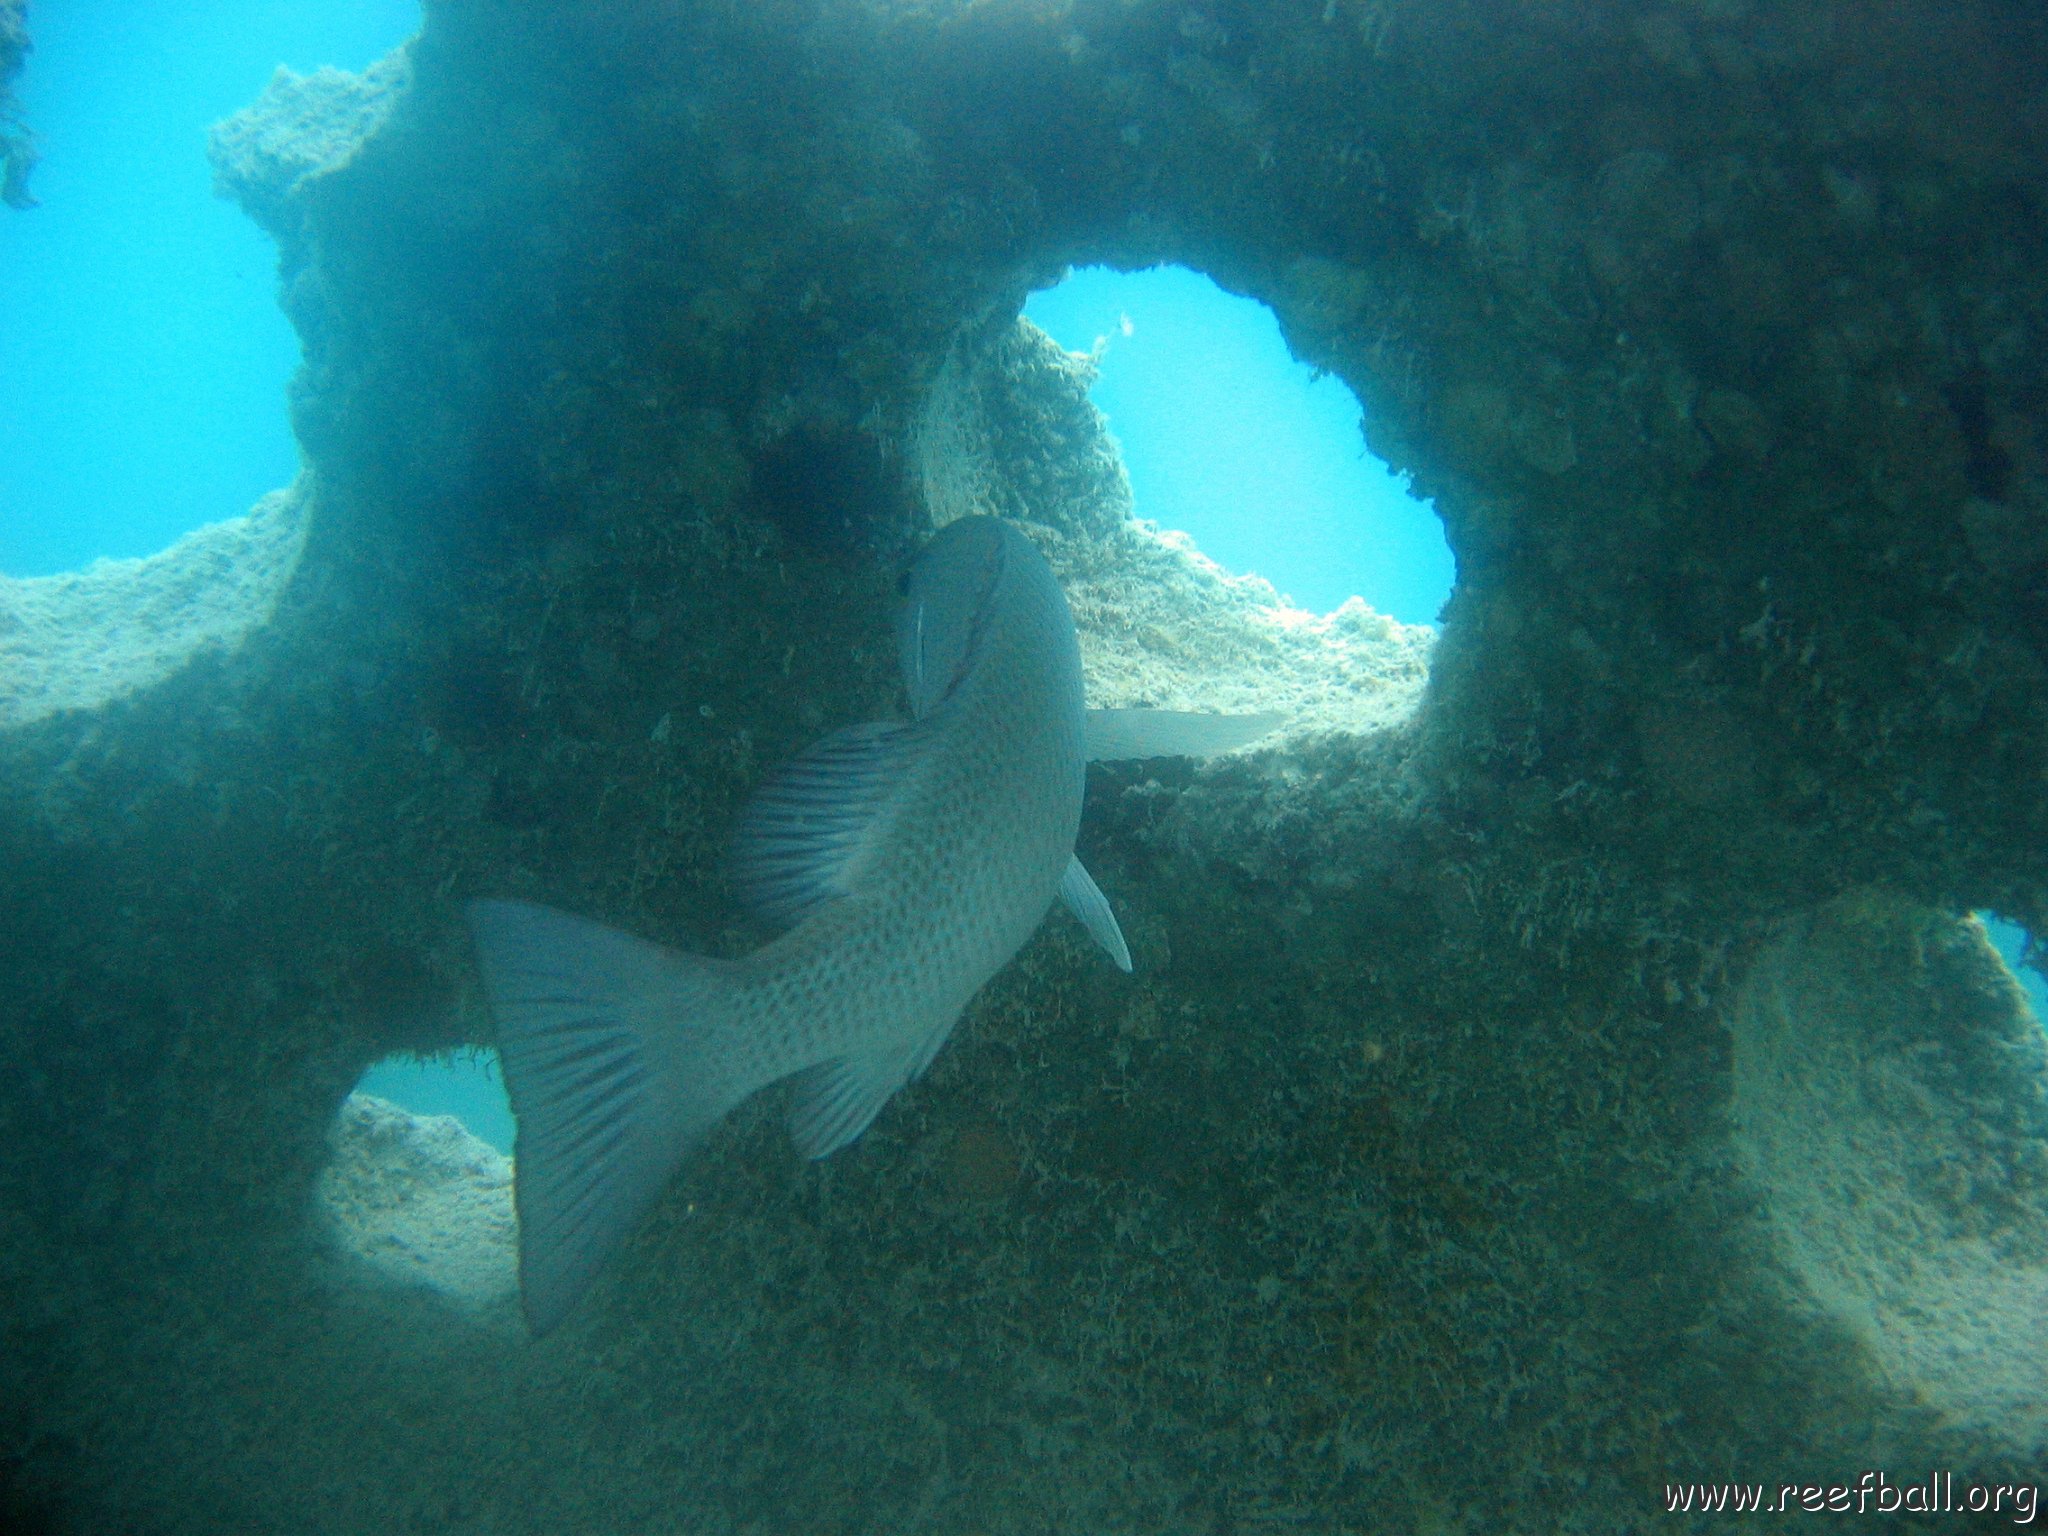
x,y
1559,1067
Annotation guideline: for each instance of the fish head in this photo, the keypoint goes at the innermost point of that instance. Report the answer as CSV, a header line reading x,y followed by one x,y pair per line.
x,y
948,597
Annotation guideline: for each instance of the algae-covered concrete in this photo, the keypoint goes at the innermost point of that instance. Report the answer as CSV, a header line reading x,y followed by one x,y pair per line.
x,y
1558,1067
82,639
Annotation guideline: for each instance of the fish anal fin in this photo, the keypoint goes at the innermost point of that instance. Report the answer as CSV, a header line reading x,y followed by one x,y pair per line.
x,y
838,1099
1085,900
811,828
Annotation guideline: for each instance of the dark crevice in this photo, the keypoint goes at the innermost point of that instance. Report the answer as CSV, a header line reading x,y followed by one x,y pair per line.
x,y
828,489
1986,466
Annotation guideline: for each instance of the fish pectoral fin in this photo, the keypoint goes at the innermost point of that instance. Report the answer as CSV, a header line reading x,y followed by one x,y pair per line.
x,y
807,834
1085,900
838,1099
611,1048
1130,733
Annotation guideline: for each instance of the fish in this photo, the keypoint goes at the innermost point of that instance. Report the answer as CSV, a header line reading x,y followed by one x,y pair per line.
x,y
904,864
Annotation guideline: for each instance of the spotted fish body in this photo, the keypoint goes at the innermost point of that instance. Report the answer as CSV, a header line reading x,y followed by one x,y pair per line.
x,y
908,861
916,858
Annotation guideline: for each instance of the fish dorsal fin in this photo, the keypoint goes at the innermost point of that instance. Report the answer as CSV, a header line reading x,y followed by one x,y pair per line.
x,y
811,828
1129,733
1085,900
838,1099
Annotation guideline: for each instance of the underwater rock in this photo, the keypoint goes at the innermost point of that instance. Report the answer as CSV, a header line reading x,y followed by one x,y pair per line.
x,y
1451,1160
1891,1102
418,1201
82,639
302,126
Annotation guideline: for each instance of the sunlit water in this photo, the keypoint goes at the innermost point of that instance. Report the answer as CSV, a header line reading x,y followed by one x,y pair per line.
x,y
1231,440
144,358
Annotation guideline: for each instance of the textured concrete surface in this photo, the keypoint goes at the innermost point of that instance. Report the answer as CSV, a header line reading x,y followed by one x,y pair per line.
x,y
415,1201
78,641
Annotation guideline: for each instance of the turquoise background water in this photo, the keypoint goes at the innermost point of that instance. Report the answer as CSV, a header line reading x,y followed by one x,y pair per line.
x,y
1229,439
2010,940
143,359
467,1085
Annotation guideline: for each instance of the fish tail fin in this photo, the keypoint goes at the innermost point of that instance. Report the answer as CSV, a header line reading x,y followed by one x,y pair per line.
x,y
612,1051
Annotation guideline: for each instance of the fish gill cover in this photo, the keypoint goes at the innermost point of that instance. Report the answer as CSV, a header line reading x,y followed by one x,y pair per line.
x,y
1560,1069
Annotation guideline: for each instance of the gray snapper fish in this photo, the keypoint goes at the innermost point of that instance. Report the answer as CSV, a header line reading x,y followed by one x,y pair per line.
x,y
908,862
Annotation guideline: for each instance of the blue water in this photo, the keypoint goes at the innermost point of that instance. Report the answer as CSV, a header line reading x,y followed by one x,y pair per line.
x,y
1229,439
467,1085
2010,940
144,358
